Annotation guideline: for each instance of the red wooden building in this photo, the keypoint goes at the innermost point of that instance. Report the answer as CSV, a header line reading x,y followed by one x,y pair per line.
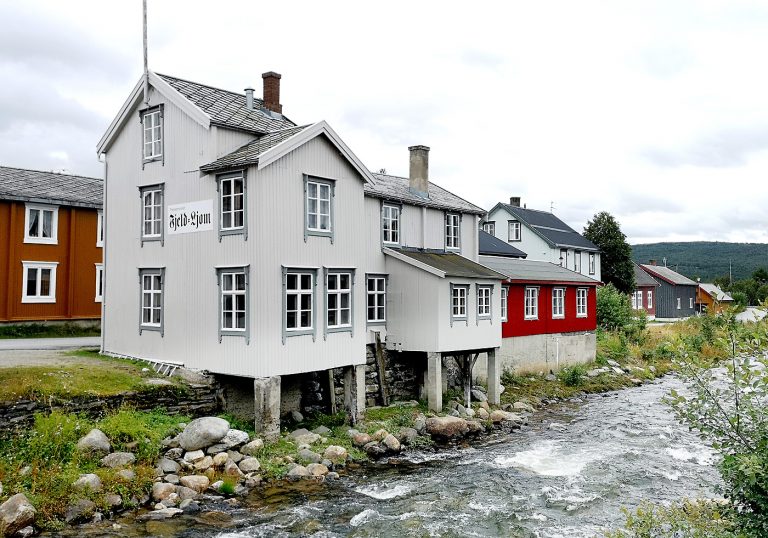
x,y
51,238
644,296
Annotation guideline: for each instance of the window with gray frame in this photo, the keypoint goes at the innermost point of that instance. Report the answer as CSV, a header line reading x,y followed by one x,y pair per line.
x,y
338,300
459,302
152,213
514,230
489,227
452,231
504,299
577,261
232,204
591,263
318,206
390,224
484,302
233,302
299,301
152,127
376,291
152,282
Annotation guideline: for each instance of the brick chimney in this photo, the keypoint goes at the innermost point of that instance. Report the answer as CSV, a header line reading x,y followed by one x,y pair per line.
x,y
419,171
514,201
272,91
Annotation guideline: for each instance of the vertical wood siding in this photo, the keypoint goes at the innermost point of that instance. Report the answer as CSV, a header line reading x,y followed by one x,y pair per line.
x,y
517,325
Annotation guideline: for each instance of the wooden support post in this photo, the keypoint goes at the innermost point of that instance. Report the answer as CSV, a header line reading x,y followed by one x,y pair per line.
x,y
332,391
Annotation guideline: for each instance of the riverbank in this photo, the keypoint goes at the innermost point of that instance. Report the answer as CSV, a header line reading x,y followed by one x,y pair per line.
x,y
301,452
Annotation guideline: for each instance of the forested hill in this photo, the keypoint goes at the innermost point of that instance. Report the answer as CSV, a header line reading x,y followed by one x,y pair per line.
x,y
705,259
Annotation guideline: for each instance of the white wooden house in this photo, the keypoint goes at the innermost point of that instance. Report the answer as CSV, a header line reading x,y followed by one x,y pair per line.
x,y
543,237
245,245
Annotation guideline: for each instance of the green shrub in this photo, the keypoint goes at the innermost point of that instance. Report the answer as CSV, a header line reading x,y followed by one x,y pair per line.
x,y
681,520
147,429
614,310
227,487
572,376
53,437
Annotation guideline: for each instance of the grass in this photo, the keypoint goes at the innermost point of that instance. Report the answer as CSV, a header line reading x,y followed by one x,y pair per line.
x,y
41,330
98,377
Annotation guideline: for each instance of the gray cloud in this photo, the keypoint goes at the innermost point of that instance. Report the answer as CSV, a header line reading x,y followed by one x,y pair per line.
x,y
631,203
395,123
722,149
27,101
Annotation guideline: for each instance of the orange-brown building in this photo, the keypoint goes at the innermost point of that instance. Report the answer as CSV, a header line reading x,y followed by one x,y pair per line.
x,y
711,298
51,237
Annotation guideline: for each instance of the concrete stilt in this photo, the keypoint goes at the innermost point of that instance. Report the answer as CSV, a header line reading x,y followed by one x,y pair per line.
x,y
494,379
354,392
266,395
434,381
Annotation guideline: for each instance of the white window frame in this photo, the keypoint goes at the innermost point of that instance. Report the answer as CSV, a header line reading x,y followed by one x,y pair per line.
x,y
514,231
564,257
38,267
577,261
504,302
582,298
690,302
390,215
234,277
531,303
452,231
379,297
232,180
459,300
334,289
558,303
679,303
99,228
300,291
484,301
156,195
489,228
42,208
321,186
99,296
650,298
157,298
634,301
591,263
155,130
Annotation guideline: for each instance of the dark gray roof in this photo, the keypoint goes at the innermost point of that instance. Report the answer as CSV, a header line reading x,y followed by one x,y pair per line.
x,y
493,246
643,279
398,189
553,230
535,271
229,108
50,187
667,274
250,152
450,263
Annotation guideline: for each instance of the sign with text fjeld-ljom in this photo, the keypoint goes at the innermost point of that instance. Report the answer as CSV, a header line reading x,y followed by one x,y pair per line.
x,y
190,217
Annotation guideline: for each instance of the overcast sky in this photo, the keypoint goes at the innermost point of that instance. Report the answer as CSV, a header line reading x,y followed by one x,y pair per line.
x,y
653,111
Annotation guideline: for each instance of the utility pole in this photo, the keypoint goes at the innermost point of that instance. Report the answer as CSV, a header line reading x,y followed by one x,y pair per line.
x,y
146,65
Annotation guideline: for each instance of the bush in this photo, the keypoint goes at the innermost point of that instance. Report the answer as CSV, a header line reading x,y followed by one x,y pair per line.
x,y
572,376
684,520
614,310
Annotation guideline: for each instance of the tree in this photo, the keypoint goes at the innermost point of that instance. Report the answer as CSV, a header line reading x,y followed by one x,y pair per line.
x,y
615,253
760,276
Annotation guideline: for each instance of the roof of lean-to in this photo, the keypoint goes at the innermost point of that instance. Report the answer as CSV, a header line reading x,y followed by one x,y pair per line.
x,y
50,187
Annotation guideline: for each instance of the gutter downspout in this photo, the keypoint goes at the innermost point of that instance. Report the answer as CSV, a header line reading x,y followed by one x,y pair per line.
x,y
103,254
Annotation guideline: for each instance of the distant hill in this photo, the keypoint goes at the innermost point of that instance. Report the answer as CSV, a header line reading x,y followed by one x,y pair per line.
x,y
705,259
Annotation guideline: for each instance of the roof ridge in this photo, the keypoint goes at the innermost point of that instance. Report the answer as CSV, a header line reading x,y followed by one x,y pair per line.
x,y
50,172
536,210
288,129
206,85
438,186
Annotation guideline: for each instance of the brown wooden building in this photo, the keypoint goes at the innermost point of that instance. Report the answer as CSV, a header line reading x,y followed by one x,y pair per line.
x,y
711,298
51,238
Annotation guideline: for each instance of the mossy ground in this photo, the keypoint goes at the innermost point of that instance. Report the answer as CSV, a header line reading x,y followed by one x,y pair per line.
x,y
42,330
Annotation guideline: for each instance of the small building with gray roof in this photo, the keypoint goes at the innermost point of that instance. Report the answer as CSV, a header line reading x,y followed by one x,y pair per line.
x,y
676,294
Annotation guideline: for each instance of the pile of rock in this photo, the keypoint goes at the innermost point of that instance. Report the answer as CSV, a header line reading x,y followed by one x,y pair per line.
x,y
382,443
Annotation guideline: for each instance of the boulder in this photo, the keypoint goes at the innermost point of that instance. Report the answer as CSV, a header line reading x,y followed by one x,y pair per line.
x,y
220,459
332,476
337,454
361,439
118,459
297,417
322,430
232,439
168,466
95,442
391,442
613,363
235,455
161,490
195,482
297,472
317,469
172,479
88,482
498,416
203,432
482,413
232,470
594,372
617,370
175,453
250,449
126,474
447,427
189,506
194,455
484,405
249,465
158,515
186,493
479,396
475,427
420,424
406,436
523,406
113,500
81,510
303,436
15,514
470,412
374,449
203,464
307,456
379,435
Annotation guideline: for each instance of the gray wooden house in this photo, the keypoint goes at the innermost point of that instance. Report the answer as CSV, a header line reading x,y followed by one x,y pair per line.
x,y
676,295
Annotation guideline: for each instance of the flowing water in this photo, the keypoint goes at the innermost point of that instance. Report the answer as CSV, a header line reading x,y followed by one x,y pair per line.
x,y
567,475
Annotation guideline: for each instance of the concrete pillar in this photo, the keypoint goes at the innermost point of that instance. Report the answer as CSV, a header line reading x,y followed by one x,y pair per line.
x,y
435,382
266,395
494,379
354,392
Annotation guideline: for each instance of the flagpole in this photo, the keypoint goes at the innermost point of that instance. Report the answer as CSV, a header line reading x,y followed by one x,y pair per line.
x,y
146,68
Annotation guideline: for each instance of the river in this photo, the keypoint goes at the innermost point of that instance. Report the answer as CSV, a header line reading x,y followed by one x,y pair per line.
x,y
567,475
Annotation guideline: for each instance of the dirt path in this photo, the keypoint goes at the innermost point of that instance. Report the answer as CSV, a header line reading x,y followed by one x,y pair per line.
x,y
40,357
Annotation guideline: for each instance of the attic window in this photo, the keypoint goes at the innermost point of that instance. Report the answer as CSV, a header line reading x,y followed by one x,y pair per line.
x,y
514,230
152,123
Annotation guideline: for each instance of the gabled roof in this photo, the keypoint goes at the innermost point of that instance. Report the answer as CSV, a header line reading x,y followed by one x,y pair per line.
x,y
272,146
532,272
443,264
716,293
643,279
397,189
493,246
229,108
50,188
549,227
668,275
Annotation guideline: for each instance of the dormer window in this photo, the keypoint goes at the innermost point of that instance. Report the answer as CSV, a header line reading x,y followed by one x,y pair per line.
x,y
489,227
390,224
452,231
152,123
514,230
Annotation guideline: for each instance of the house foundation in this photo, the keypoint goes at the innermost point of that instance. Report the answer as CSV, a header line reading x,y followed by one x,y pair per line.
x,y
266,396
434,381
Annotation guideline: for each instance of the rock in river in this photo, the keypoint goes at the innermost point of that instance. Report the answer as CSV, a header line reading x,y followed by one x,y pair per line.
x,y
203,432
15,514
447,427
